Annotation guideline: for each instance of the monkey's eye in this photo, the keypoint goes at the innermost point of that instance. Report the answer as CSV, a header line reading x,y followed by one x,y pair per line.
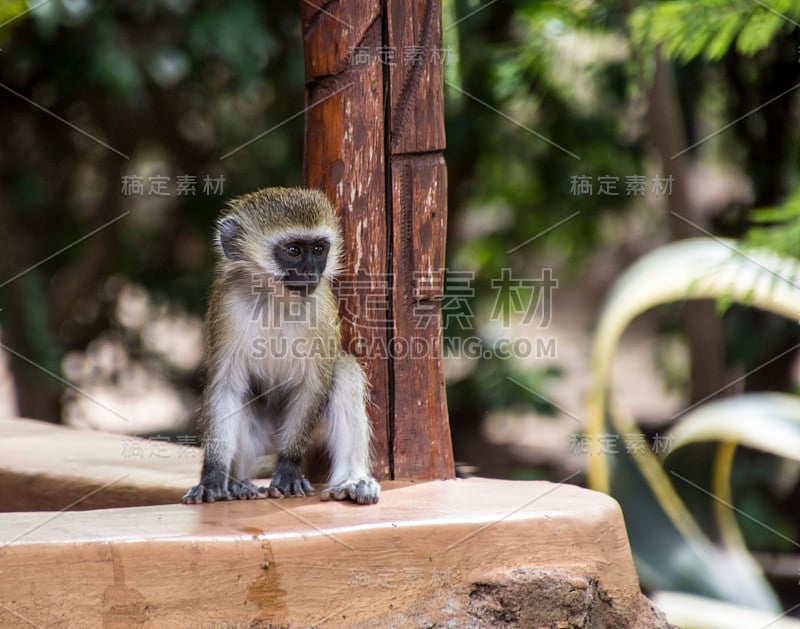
x,y
293,250
318,249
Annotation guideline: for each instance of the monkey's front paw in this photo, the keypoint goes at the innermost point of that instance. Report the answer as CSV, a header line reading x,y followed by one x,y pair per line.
x,y
245,490
295,488
205,493
288,480
364,491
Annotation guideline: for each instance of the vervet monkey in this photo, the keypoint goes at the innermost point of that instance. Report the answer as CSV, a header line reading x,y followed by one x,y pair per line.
x,y
274,366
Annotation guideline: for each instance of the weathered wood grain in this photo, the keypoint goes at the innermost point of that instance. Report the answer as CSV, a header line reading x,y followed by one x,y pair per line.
x,y
417,115
374,141
344,153
418,201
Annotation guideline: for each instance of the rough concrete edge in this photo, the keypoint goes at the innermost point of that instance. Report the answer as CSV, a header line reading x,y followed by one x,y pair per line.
x,y
529,598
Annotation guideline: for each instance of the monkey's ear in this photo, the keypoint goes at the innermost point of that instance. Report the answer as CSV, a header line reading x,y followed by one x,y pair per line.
x,y
230,237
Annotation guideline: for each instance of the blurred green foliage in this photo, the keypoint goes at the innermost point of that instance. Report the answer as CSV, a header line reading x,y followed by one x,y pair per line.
x,y
167,88
686,29
564,117
170,87
778,227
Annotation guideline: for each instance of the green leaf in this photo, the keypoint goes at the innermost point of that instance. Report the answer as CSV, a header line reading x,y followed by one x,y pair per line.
x,y
778,228
686,29
721,42
12,9
758,32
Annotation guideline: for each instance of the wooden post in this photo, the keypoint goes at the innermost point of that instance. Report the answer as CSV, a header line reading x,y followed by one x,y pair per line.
x,y
374,141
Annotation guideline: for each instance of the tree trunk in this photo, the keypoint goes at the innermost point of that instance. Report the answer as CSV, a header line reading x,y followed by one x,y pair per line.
x,y
703,324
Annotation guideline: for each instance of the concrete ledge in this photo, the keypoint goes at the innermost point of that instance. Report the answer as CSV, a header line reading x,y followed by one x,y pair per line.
x,y
464,553
420,555
45,467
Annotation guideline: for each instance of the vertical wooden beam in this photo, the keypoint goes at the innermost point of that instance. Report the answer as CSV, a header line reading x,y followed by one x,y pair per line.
x,y
344,156
418,207
374,142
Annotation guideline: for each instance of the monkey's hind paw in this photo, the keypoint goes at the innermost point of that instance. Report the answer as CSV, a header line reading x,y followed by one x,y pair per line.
x,y
205,493
364,491
245,490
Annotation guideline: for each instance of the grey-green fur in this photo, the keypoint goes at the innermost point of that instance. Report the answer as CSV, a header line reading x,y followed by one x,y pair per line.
x,y
282,208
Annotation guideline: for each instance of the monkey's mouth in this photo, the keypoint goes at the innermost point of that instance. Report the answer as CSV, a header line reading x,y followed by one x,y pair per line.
x,y
302,289
300,284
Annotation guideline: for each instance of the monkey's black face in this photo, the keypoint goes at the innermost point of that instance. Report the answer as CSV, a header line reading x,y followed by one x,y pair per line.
x,y
302,262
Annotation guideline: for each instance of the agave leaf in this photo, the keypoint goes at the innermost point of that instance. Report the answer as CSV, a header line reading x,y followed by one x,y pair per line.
x,y
769,422
695,268
672,553
765,421
671,550
696,612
